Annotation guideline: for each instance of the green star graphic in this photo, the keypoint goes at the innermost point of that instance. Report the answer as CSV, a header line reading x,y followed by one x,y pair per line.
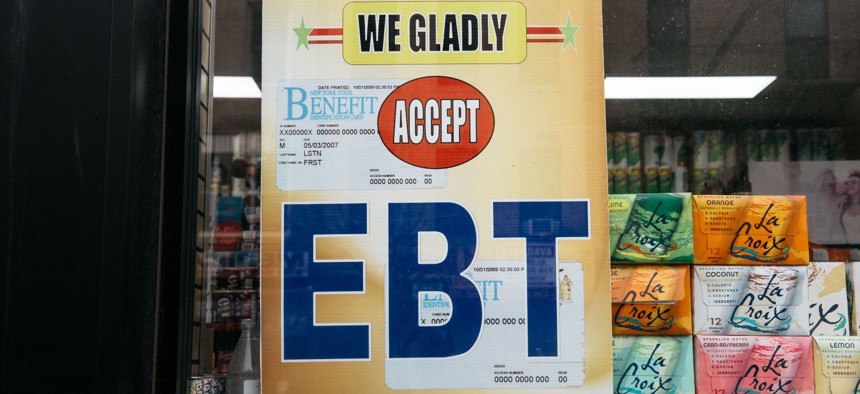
x,y
303,33
569,30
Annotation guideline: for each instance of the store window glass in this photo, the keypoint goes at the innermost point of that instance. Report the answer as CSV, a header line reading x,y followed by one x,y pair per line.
x,y
226,296
776,111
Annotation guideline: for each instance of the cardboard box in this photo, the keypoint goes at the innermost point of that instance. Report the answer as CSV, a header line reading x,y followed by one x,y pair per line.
x,y
744,300
750,230
651,299
828,300
837,365
753,364
652,364
651,228
852,271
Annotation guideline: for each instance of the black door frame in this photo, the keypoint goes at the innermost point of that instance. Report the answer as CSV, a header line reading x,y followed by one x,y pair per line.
x,y
98,183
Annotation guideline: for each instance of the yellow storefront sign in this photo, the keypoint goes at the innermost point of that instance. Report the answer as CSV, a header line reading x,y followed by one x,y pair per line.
x,y
434,32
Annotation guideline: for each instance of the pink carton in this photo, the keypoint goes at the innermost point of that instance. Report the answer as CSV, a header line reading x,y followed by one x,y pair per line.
x,y
754,364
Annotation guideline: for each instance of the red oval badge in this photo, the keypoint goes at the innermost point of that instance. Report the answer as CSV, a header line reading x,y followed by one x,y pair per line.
x,y
436,122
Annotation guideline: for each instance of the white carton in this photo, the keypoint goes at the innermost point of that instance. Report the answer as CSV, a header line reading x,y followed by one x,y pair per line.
x,y
745,300
828,300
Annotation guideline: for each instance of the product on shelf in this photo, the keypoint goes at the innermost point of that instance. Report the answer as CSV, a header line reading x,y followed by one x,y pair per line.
x,y
837,365
243,372
651,228
836,146
224,305
651,299
715,162
700,160
223,360
716,152
237,278
767,149
657,160
234,305
634,162
680,163
819,145
223,259
828,300
619,154
753,146
228,224
664,165
206,385
653,152
247,258
652,364
745,300
730,157
610,162
805,144
781,145
753,364
755,230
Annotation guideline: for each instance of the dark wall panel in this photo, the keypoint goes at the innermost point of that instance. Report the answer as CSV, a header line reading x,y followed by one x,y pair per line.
x,y
81,128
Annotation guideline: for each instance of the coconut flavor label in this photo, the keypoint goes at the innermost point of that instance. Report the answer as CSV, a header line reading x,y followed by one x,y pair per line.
x,y
736,300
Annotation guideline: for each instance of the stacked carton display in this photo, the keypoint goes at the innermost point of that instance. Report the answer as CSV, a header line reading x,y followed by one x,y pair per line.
x,y
735,272
652,246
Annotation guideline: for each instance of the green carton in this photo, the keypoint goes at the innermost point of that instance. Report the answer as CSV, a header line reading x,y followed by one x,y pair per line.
x,y
651,228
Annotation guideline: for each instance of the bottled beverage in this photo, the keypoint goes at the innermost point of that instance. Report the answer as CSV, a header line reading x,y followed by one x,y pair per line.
x,y
243,373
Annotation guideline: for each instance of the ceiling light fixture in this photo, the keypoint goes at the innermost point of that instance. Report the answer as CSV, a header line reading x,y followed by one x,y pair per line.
x,y
685,87
235,87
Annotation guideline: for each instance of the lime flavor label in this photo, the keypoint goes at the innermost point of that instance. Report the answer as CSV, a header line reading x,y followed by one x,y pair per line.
x,y
651,228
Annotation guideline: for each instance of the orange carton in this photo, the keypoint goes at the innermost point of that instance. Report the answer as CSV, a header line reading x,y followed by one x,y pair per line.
x,y
750,230
651,299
